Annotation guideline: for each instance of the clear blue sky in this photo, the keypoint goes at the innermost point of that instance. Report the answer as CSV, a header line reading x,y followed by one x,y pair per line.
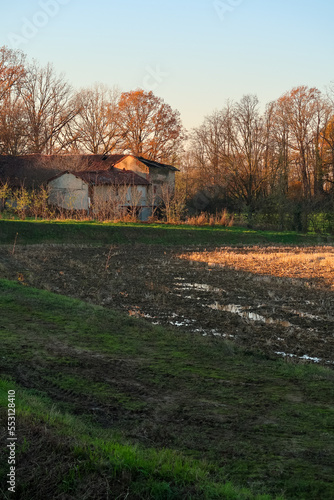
x,y
203,51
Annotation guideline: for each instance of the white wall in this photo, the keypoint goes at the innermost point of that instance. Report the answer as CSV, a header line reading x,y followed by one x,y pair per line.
x,y
67,191
123,195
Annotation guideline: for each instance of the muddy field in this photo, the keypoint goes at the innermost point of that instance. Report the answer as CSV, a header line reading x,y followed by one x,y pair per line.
x,y
289,314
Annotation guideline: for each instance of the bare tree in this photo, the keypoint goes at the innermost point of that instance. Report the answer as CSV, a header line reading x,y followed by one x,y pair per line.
x,y
300,108
230,147
327,139
12,69
49,107
95,128
210,146
12,123
322,118
247,148
278,150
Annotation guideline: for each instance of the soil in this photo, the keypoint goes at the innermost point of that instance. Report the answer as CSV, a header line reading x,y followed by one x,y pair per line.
x,y
284,316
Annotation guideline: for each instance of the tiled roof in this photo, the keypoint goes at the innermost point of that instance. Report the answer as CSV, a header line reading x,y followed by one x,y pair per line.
x,y
112,177
35,169
102,162
109,177
155,164
23,170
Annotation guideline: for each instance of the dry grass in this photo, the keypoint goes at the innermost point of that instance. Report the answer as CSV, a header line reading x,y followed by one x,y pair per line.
x,y
203,219
297,262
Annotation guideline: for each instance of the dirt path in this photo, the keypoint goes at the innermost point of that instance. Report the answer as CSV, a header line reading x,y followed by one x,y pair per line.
x,y
293,317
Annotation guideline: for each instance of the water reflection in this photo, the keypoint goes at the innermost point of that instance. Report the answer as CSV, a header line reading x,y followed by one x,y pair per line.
x,y
244,312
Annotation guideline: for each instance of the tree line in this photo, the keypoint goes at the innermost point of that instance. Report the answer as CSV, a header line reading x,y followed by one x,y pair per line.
x,y
279,162
41,113
251,154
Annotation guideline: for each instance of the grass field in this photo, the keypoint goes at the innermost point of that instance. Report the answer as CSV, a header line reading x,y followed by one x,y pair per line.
x,y
30,232
110,406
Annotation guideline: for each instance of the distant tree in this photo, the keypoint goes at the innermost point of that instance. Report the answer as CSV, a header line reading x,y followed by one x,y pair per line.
x,y
12,69
49,107
278,151
327,147
246,152
12,122
300,108
13,125
149,126
210,147
230,149
327,139
95,129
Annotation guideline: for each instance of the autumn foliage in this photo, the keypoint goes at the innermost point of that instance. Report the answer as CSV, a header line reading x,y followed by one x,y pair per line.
x,y
150,128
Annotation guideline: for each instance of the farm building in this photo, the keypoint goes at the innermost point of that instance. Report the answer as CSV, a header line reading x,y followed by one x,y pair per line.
x,y
110,192
80,181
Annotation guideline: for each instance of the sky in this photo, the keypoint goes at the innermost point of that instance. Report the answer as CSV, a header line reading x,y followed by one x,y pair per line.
x,y
195,54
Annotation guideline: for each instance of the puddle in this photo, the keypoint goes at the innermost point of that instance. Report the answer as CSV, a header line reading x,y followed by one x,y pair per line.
x,y
305,357
172,319
215,333
182,322
199,286
244,313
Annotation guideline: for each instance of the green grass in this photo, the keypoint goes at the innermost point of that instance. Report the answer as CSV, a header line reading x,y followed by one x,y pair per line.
x,y
30,232
145,472
110,405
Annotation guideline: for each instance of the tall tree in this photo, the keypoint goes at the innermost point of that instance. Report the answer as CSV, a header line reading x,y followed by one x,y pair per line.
x,y
12,126
230,148
210,146
327,147
49,106
149,126
12,69
246,157
300,108
279,132
95,128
